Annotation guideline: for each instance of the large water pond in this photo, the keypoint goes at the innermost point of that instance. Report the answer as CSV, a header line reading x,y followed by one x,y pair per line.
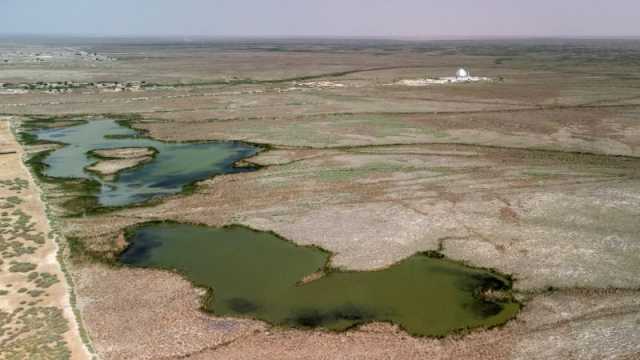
x,y
174,166
258,275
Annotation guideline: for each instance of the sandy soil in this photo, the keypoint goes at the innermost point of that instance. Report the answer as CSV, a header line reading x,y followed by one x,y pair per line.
x,y
124,153
36,316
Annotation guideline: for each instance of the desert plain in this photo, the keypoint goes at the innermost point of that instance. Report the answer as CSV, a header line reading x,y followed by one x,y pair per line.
x,y
533,173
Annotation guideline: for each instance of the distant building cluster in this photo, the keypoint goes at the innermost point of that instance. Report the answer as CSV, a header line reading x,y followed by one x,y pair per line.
x,y
320,84
21,56
57,87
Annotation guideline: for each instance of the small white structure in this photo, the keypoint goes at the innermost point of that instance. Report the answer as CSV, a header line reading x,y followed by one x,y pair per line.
x,y
462,76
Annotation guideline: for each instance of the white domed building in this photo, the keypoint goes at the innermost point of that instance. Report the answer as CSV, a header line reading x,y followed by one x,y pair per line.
x,y
463,74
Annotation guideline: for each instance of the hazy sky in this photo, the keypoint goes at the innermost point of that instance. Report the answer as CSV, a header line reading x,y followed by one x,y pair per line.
x,y
387,18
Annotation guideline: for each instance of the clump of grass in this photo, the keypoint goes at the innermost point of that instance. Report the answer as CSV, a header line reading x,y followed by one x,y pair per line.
x,y
16,184
21,183
35,293
22,267
14,200
36,238
43,280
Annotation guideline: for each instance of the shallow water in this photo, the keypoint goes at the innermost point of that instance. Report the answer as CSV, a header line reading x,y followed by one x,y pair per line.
x,y
257,274
175,164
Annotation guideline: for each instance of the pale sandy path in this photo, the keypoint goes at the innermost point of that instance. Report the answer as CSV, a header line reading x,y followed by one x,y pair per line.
x,y
38,321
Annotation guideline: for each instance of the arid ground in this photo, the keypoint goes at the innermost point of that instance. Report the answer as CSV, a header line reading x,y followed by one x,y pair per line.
x,y
36,316
535,174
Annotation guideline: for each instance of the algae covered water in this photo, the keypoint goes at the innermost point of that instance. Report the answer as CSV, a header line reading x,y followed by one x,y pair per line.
x,y
257,274
174,166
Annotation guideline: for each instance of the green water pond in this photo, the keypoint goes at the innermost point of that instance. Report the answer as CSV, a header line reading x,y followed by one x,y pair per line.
x,y
258,275
174,166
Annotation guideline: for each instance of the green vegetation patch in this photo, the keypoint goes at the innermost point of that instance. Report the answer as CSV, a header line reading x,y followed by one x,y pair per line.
x,y
16,184
363,172
22,267
14,200
43,280
35,293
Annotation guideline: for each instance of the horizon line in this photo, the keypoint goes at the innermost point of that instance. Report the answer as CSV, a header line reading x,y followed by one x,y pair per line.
x,y
187,37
